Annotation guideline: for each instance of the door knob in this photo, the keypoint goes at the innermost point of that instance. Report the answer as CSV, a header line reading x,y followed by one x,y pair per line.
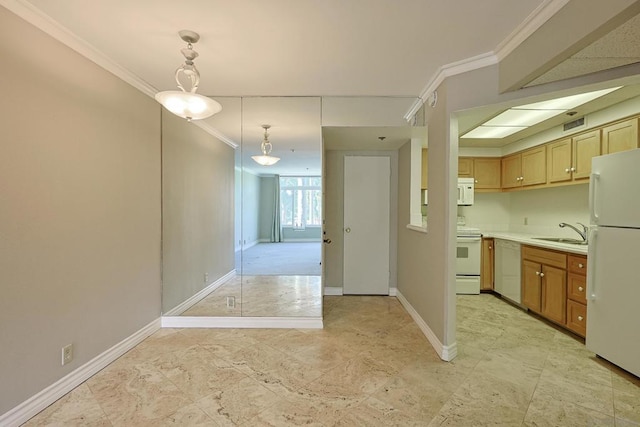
x,y
347,230
327,241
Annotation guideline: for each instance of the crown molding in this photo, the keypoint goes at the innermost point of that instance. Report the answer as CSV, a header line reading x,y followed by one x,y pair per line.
x,y
463,66
216,133
53,28
534,21
530,25
45,23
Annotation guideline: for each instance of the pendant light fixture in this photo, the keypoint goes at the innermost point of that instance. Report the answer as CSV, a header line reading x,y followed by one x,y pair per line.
x,y
266,159
183,103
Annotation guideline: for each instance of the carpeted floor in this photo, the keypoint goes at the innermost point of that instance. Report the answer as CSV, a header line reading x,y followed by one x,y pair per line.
x,y
280,259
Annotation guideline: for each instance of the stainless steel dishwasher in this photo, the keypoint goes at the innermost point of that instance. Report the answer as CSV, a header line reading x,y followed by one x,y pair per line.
x,y
507,270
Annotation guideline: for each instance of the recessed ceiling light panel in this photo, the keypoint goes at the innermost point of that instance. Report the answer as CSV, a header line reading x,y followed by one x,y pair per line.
x,y
490,132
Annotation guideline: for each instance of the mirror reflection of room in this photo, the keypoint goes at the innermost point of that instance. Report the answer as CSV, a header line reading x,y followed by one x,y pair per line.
x,y
278,214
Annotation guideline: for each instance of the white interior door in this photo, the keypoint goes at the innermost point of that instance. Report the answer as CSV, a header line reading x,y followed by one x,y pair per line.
x,y
367,183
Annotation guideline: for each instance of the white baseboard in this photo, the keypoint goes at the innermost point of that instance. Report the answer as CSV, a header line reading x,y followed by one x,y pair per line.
x,y
336,291
446,353
242,322
181,308
32,406
303,240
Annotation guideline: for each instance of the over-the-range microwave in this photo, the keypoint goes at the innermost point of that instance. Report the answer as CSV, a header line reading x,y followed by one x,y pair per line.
x,y
466,187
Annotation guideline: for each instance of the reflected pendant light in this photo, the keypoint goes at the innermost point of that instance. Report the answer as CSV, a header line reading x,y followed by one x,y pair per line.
x,y
183,103
265,159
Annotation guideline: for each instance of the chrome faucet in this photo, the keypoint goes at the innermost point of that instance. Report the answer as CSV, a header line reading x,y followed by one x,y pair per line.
x,y
584,233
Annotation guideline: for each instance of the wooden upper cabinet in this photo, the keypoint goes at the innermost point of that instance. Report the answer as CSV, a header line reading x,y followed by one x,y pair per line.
x,y
534,166
586,146
620,136
486,172
425,165
465,167
570,159
559,161
511,168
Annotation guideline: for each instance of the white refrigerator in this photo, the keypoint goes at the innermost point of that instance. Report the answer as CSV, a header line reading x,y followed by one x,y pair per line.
x,y
613,273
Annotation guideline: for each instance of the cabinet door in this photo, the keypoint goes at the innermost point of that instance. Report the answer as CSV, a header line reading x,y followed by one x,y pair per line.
x,y
511,167
554,293
534,166
486,172
559,161
531,288
425,175
465,167
487,266
620,136
585,147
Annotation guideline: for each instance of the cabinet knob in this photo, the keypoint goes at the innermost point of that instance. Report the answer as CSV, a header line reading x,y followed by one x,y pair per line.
x,y
541,274
580,265
490,247
567,170
580,318
573,169
537,273
580,288
476,181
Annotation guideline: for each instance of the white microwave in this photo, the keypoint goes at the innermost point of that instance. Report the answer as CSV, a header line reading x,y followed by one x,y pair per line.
x,y
466,187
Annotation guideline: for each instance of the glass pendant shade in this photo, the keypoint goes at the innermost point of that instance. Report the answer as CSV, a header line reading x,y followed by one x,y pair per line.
x,y
190,106
265,160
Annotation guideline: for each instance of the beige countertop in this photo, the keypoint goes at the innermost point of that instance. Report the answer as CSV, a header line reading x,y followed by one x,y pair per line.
x,y
530,239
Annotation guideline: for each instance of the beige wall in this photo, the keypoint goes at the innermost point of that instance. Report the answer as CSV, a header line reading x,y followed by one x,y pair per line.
x,y
334,214
197,209
79,210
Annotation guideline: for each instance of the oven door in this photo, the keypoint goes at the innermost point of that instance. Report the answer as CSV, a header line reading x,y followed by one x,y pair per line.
x,y
468,250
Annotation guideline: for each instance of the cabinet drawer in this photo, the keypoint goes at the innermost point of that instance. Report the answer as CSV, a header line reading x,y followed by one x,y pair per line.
x,y
577,288
545,256
577,317
578,264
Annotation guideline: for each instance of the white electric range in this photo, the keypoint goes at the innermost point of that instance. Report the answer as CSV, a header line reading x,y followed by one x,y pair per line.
x,y
468,252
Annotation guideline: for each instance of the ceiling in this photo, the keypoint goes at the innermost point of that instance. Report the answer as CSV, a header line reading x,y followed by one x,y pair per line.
x,y
380,53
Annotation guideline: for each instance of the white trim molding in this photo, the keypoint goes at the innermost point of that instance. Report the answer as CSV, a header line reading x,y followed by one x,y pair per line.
x,y
535,20
44,22
333,290
242,322
181,308
446,352
35,404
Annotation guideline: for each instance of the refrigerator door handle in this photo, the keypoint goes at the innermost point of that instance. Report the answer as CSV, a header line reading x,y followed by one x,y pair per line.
x,y
591,271
592,197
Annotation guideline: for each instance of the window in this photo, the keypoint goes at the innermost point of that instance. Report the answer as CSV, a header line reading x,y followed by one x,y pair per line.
x,y
300,201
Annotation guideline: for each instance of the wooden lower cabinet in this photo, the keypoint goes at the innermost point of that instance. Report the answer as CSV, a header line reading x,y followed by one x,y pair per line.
x,y
487,265
544,284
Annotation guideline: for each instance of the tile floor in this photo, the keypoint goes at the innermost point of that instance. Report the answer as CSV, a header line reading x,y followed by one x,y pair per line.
x,y
271,296
370,366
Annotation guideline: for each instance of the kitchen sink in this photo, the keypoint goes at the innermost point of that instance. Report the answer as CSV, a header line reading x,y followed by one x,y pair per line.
x,y
562,240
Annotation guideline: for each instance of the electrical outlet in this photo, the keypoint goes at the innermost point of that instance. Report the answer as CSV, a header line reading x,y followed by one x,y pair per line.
x,y
67,354
206,277
231,302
